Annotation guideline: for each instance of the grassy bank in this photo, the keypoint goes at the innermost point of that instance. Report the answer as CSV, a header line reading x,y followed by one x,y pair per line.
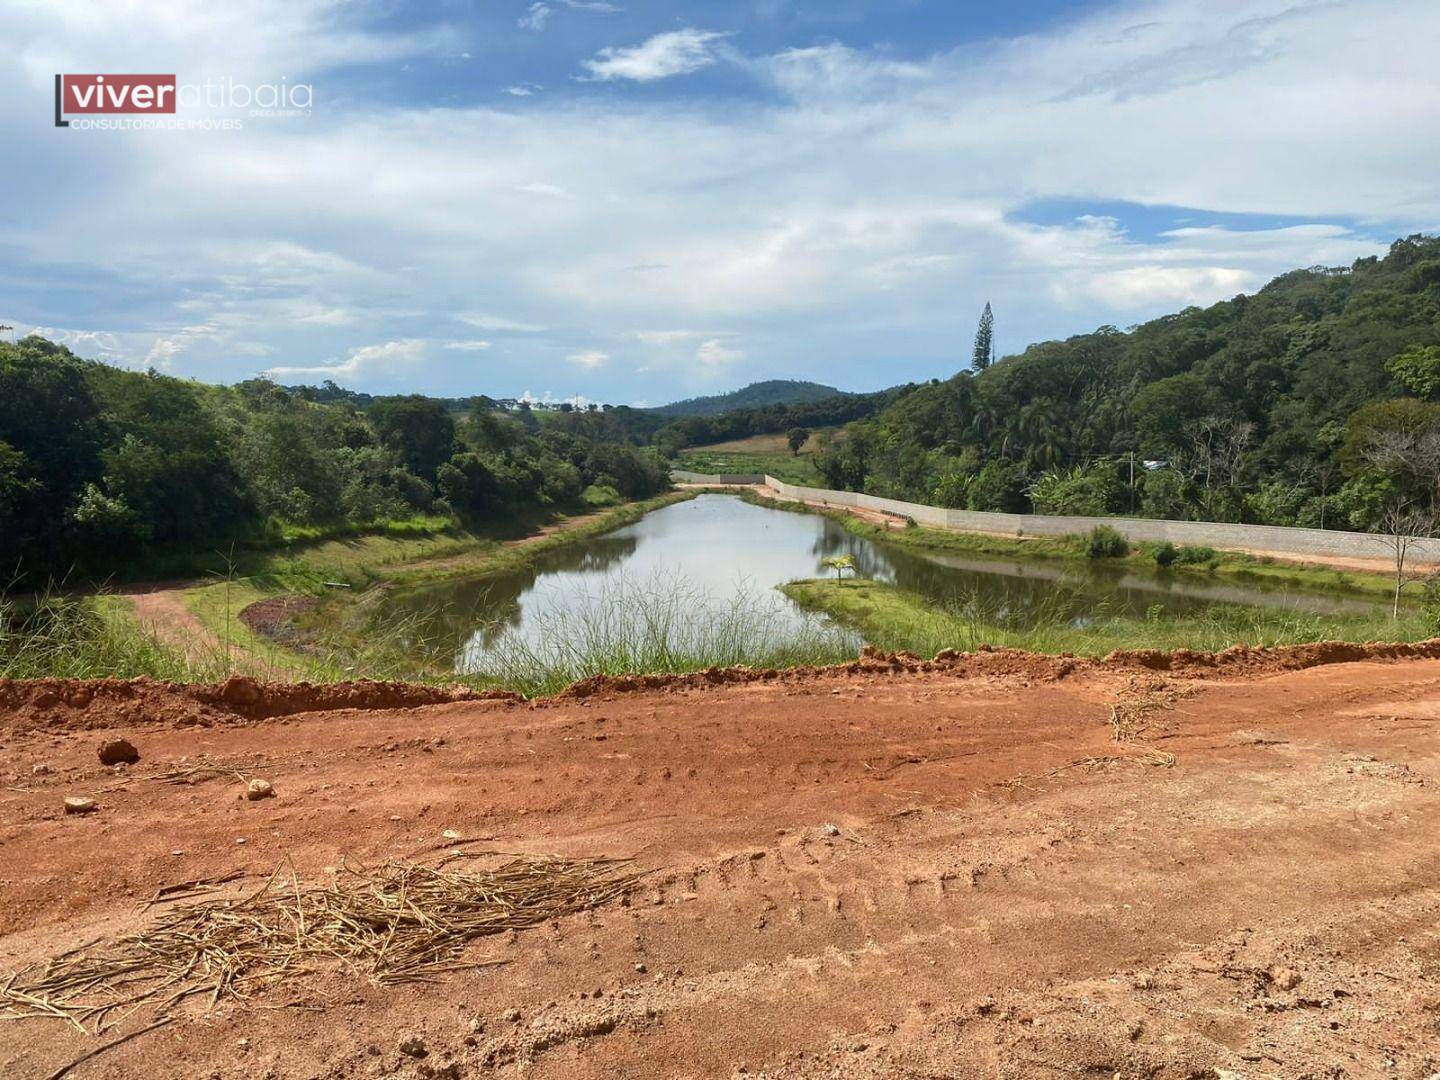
x,y
346,641
892,619
779,463
1231,565
68,637
660,625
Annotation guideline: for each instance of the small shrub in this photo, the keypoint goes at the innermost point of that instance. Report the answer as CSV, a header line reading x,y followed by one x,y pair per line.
x,y
1195,556
601,495
1430,604
1165,554
1105,543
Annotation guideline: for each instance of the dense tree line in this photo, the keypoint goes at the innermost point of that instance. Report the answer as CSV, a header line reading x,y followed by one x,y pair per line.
x,y
754,396
101,467
768,419
1265,408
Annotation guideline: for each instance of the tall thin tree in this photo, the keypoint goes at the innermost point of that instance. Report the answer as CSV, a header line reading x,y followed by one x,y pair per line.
x,y
984,339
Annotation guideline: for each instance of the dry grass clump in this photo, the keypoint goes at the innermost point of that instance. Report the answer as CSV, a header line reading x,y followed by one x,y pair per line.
x,y
1133,715
400,922
1153,758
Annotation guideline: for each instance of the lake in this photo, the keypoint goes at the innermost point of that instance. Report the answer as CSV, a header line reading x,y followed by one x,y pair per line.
x,y
706,552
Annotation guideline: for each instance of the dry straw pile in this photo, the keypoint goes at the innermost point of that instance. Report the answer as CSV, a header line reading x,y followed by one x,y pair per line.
x,y
400,922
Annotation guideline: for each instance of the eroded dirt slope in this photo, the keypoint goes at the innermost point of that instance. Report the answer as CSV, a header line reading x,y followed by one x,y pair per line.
x,y
865,873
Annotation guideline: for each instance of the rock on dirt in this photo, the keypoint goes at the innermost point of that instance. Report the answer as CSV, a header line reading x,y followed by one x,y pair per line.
x,y
79,804
414,1046
1284,978
118,752
259,789
241,690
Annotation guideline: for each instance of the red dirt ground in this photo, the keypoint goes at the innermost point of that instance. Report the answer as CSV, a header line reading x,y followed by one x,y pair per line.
x,y
885,870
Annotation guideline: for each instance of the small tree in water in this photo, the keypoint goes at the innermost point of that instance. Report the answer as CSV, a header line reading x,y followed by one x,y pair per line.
x,y
840,563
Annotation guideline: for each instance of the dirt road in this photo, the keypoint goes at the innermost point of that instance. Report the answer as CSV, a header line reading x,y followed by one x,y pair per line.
x,y
885,874
1381,563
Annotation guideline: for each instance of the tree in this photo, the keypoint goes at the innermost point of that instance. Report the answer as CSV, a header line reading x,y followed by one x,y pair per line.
x,y
839,563
984,353
469,485
1412,457
1401,526
1083,492
416,428
797,437
1218,456
1417,369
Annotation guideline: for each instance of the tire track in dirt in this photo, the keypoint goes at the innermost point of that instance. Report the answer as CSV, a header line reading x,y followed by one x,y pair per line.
x,y
840,883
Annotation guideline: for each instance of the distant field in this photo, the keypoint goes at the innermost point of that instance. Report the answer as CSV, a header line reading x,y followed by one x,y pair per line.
x,y
758,454
756,444
793,470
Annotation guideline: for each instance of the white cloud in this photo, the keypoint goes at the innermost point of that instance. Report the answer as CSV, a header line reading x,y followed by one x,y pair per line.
x,y
677,52
715,353
554,191
102,344
368,360
665,337
162,352
536,18
525,89
500,325
837,71
1150,286
540,13
589,358
467,346
860,213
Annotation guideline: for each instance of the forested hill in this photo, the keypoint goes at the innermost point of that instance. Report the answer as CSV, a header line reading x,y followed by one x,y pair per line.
x,y
1262,408
756,395
104,470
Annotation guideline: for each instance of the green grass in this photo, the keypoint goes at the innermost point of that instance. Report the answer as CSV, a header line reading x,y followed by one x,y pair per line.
x,y
1233,565
660,626
791,468
54,635
893,619
279,540
348,640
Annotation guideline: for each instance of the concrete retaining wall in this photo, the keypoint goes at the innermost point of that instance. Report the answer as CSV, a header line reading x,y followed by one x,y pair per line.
x,y
680,476
1282,541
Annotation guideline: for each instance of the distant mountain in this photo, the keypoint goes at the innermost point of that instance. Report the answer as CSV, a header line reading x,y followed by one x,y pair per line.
x,y
756,395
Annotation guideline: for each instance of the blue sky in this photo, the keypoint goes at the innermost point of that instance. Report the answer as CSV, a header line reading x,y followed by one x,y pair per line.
x,y
639,201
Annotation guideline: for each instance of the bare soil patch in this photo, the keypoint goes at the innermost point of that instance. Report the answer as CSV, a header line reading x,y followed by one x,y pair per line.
x,y
840,877
274,618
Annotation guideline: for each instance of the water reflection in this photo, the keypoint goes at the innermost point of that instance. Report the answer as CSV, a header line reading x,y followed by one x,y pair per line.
x,y
717,544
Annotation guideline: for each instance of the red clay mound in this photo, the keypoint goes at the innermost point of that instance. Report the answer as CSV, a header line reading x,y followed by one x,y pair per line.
x,y
101,703
1004,662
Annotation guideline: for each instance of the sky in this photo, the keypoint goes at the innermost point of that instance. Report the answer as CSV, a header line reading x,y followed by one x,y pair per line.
x,y
632,201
